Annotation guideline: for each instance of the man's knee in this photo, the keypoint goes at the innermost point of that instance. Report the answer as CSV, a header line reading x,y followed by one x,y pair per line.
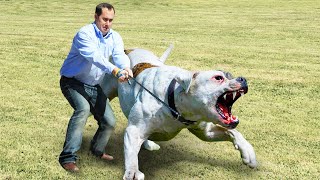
x,y
82,113
107,122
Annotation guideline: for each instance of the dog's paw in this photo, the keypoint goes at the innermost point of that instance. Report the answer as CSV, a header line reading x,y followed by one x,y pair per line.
x,y
150,145
133,175
246,150
248,155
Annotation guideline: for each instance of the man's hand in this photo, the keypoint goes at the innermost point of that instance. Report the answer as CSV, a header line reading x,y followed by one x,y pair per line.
x,y
129,72
122,74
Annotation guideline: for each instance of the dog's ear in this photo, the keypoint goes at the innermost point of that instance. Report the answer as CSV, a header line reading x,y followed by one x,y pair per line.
x,y
185,80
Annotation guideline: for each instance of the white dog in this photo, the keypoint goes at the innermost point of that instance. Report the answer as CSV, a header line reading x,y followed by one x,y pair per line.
x,y
199,101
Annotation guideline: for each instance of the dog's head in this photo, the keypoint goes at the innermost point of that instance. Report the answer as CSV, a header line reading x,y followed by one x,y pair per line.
x,y
211,95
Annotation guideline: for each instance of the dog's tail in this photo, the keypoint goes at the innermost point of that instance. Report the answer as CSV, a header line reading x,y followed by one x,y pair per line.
x,y
166,54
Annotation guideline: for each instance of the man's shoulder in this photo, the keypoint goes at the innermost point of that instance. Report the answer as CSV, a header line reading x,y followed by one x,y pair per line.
x,y
87,28
115,33
86,31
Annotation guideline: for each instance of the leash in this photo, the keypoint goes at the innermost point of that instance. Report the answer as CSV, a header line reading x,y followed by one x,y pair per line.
x,y
173,111
164,103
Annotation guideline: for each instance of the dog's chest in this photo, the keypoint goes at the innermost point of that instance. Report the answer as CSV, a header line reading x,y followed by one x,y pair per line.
x,y
163,136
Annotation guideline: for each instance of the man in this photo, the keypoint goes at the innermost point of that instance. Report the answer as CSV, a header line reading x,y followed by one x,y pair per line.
x,y
81,73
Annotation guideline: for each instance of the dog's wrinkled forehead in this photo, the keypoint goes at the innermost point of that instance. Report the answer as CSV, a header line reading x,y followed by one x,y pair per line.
x,y
227,74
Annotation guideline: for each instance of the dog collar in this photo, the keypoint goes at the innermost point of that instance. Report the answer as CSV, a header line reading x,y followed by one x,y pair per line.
x,y
172,105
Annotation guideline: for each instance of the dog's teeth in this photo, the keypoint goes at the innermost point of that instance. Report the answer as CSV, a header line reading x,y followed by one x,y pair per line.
x,y
236,146
234,94
242,93
225,96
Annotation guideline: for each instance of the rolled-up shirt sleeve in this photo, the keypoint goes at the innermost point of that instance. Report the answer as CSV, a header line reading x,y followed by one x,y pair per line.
x,y
89,50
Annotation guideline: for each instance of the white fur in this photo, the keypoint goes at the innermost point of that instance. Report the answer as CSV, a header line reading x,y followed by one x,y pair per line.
x,y
195,98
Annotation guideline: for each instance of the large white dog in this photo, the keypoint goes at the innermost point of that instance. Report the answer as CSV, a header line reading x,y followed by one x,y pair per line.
x,y
199,101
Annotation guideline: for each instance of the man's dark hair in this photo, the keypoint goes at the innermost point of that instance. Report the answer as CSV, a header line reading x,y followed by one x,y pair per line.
x,y
104,5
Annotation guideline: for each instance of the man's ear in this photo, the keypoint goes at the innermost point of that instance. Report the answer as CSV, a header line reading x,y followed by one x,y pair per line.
x,y
185,80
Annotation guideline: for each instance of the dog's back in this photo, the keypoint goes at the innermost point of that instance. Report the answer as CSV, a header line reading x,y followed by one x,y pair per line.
x,y
110,84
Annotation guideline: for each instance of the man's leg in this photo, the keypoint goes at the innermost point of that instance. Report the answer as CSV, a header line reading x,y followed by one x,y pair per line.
x,y
74,94
106,120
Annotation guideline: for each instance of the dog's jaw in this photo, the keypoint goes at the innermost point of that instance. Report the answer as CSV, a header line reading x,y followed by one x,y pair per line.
x,y
226,100
224,106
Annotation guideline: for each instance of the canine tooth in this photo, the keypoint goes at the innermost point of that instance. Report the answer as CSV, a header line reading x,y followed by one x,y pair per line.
x,y
234,94
225,96
242,93
236,146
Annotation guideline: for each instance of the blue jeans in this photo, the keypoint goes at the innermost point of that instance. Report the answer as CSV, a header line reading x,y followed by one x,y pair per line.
x,y
85,100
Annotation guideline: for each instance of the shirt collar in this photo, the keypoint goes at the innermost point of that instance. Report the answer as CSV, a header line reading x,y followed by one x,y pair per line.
x,y
98,32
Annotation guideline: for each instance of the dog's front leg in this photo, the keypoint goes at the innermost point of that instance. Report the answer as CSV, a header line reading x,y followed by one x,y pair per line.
x,y
240,143
132,145
210,132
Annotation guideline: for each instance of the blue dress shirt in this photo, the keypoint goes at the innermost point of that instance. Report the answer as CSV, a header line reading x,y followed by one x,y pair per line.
x,y
90,54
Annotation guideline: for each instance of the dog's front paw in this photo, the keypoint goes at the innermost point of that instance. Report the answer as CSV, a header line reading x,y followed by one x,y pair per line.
x,y
150,145
133,175
247,154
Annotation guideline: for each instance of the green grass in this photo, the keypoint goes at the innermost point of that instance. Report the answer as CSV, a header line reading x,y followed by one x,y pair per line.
x,y
274,44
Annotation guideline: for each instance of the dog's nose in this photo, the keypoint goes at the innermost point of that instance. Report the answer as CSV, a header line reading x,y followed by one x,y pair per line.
x,y
242,80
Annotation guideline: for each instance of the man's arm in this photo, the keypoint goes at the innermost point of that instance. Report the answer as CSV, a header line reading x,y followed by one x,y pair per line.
x,y
120,58
89,50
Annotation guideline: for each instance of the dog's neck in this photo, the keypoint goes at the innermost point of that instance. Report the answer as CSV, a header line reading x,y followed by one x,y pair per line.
x,y
171,100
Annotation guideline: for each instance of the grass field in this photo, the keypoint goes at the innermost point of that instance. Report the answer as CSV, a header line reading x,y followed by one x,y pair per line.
x,y
275,44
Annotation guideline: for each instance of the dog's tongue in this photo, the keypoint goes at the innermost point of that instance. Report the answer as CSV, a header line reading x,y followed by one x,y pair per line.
x,y
230,119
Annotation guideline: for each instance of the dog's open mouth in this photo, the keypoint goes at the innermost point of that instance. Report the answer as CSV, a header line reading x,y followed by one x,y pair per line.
x,y
224,106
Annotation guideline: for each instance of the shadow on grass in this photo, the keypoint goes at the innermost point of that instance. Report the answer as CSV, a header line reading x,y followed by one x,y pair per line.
x,y
167,158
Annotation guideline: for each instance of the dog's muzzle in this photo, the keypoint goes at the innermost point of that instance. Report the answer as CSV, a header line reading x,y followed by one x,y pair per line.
x,y
225,102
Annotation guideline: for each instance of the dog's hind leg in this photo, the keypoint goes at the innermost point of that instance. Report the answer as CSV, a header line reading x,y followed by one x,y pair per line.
x,y
150,145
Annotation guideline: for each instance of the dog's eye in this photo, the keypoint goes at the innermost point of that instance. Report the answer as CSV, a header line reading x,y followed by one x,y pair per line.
x,y
218,78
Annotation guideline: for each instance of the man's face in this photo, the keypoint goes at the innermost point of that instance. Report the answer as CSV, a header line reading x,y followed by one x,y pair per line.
x,y
104,21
